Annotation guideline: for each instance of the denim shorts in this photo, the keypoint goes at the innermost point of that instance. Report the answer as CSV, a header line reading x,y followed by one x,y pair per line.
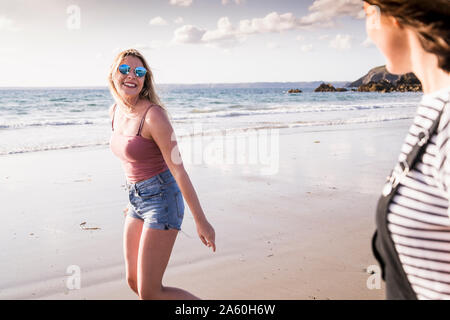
x,y
158,201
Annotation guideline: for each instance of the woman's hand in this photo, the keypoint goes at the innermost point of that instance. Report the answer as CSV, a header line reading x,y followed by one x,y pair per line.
x,y
207,234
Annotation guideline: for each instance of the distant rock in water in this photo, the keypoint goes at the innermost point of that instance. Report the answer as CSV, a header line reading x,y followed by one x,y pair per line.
x,y
327,87
380,80
295,91
380,86
324,87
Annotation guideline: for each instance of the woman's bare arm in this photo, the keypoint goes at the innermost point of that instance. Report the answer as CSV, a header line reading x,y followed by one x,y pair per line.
x,y
162,132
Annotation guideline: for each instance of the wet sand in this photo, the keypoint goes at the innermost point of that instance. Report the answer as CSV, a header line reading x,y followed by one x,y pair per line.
x,y
301,232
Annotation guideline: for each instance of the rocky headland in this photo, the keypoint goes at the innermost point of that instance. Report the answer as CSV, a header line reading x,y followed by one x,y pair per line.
x,y
380,80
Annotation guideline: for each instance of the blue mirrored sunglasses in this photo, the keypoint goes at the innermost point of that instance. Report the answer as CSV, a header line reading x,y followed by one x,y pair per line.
x,y
139,71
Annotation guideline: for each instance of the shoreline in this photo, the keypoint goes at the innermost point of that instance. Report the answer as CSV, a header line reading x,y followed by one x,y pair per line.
x,y
199,132
271,230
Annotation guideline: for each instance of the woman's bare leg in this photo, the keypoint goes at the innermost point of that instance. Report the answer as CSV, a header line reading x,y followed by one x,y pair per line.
x,y
131,238
154,252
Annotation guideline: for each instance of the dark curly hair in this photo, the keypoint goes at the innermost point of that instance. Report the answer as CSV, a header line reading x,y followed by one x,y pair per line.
x,y
429,18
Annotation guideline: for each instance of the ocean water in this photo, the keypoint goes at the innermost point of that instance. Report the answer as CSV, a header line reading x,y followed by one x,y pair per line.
x,y
33,120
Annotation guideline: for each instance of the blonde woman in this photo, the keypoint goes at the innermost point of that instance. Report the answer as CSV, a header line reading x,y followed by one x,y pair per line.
x,y
412,242
143,139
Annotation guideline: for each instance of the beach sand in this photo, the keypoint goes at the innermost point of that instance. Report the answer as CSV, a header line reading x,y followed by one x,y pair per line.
x,y
301,233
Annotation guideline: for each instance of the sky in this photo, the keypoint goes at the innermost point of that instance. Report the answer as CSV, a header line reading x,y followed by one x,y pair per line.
x,y
73,43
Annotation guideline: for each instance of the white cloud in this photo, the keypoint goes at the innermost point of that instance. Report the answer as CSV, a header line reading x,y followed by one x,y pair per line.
x,y
181,3
323,12
158,21
224,31
273,22
225,36
228,35
178,20
188,34
300,38
341,42
306,48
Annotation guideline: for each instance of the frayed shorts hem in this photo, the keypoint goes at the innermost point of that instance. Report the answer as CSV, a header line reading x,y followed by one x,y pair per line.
x,y
155,225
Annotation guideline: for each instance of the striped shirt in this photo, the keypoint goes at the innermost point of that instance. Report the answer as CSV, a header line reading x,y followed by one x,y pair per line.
x,y
418,216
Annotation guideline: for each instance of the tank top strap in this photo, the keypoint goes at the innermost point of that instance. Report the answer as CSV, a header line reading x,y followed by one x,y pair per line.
x,y
113,116
142,121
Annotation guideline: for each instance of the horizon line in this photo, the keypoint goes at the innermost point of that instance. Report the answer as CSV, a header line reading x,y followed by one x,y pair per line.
x,y
181,84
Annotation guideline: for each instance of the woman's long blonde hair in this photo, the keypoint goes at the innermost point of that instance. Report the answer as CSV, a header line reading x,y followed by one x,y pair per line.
x,y
148,90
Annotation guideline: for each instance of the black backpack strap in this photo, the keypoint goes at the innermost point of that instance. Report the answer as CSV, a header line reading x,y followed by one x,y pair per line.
x,y
403,167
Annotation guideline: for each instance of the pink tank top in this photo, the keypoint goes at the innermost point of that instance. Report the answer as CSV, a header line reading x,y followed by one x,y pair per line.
x,y
141,157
